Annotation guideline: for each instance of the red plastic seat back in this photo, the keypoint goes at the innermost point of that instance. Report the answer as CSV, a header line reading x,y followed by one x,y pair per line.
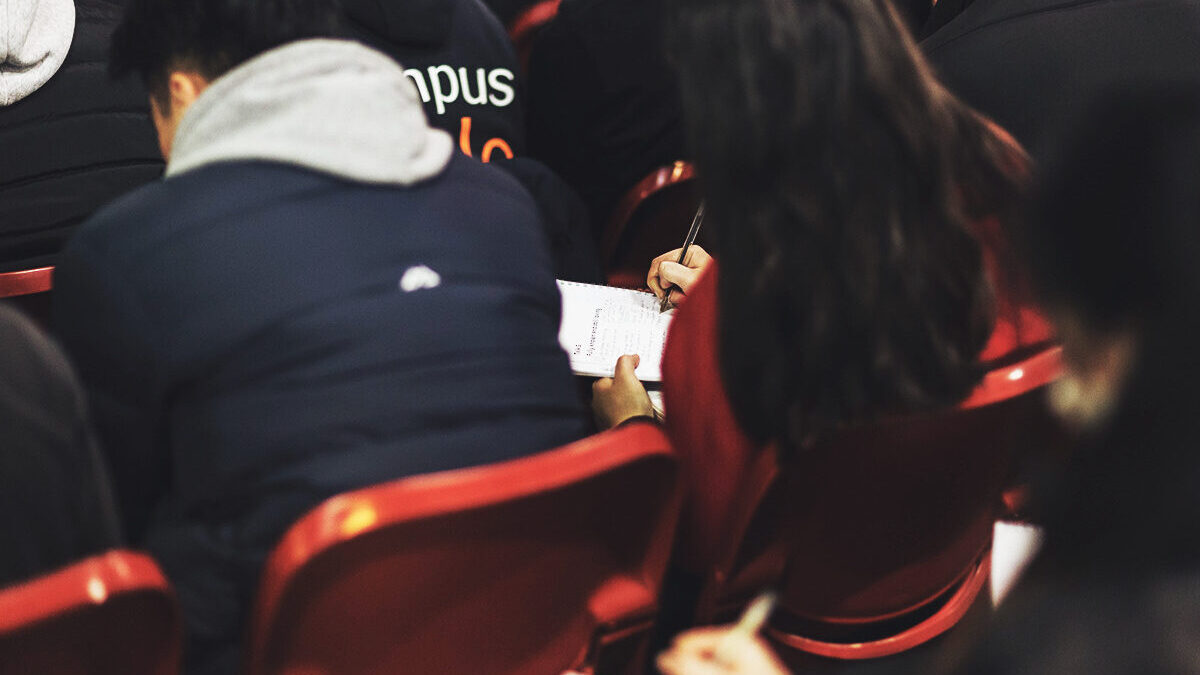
x,y
525,27
29,290
650,220
113,614
881,520
26,282
516,567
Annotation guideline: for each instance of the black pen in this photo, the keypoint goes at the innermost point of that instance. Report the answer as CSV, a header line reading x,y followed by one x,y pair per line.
x,y
687,242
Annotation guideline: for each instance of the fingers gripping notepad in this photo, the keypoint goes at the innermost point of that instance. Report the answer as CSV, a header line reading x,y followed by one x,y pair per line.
x,y
601,323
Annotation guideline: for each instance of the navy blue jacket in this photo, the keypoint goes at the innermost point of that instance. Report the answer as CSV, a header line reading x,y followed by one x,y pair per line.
x,y
249,349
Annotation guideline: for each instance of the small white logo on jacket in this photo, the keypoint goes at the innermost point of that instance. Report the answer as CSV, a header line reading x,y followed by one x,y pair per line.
x,y
416,278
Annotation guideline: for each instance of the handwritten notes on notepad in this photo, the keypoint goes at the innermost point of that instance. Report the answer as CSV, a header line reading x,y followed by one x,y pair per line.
x,y
601,323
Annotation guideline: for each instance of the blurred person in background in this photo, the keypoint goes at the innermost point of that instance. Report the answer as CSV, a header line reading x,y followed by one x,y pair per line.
x,y
1116,259
70,138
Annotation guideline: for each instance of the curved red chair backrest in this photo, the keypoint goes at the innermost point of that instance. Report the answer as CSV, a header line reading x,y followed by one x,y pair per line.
x,y
526,566
884,521
30,291
525,27
113,614
26,282
651,219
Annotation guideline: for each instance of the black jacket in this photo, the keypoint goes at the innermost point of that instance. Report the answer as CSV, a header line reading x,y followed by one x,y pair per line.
x,y
55,501
1034,65
71,146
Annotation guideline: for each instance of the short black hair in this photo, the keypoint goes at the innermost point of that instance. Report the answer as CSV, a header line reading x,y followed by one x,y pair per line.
x,y
210,36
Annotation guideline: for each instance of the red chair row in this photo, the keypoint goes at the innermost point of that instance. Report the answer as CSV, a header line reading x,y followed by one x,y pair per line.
x,y
554,561
536,565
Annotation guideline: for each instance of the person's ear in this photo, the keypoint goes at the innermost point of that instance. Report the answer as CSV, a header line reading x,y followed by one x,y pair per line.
x,y
184,88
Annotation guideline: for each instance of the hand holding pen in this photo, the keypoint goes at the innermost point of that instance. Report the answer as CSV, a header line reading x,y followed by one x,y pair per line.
x,y
672,274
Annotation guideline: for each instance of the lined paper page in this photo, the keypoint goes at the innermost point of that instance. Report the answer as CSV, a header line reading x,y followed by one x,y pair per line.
x,y
601,323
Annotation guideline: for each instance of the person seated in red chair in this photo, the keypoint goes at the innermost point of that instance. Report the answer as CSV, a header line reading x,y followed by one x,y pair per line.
x,y
1113,589
55,498
855,206
322,294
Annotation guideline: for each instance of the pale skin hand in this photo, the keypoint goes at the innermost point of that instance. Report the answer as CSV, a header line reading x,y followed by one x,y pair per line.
x,y
670,278
618,398
694,653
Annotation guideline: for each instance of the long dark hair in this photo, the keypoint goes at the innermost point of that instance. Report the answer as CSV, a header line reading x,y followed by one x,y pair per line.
x,y
841,178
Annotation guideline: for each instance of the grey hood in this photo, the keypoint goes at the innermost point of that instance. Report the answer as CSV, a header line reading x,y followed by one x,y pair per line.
x,y
329,105
35,36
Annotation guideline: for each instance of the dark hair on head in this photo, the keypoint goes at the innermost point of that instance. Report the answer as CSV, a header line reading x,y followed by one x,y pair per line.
x,y
842,179
210,36
1114,242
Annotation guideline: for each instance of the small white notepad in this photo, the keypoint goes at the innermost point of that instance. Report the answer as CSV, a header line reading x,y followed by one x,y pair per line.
x,y
601,323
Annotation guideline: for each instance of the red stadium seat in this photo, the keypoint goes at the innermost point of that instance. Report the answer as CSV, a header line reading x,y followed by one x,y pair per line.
x,y
650,220
113,614
530,566
525,27
26,282
878,539
30,291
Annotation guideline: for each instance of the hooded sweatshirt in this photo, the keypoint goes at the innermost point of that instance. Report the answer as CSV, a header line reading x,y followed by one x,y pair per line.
x,y
329,105
71,140
321,295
